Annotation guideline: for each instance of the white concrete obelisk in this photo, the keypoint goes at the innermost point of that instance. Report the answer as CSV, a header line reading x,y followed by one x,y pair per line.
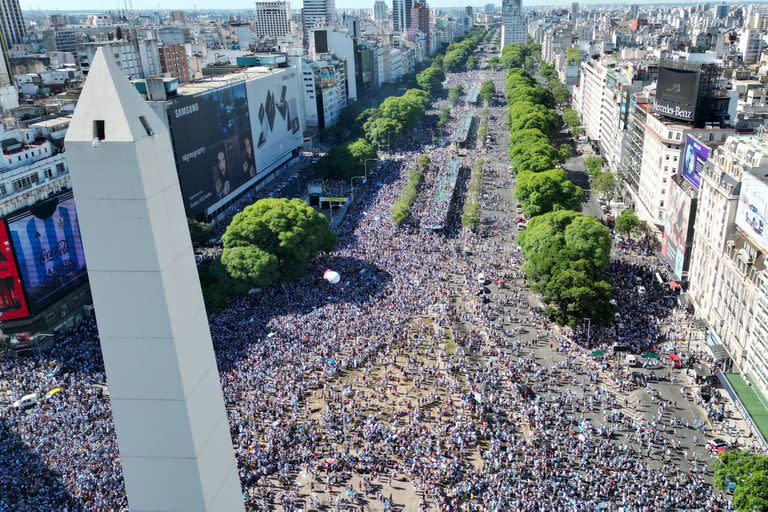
x,y
168,408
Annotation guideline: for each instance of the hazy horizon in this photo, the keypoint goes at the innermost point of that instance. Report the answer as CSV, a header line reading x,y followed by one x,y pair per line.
x,y
96,6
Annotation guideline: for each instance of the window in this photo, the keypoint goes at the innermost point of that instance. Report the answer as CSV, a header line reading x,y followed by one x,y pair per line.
x,y
47,173
60,167
99,132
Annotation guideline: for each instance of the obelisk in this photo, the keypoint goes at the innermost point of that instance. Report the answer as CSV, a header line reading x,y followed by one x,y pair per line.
x,y
168,408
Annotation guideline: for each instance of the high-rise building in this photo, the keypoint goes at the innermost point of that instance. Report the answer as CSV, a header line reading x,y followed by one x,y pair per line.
x,y
273,19
513,25
721,11
489,8
380,12
177,17
173,60
574,11
317,13
420,18
11,22
401,15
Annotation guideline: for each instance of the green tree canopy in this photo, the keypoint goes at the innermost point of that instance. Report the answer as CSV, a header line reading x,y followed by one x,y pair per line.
x,y
487,91
199,232
454,93
271,241
431,79
749,471
542,192
605,183
346,160
594,165
382,131
627,223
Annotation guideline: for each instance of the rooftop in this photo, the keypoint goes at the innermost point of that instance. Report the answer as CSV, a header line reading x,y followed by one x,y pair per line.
x,y
218,81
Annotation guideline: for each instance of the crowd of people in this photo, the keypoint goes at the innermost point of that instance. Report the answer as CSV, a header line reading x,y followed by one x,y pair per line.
x,y
401,372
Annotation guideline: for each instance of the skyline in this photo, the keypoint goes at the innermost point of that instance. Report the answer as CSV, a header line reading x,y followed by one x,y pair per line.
x,y
93,5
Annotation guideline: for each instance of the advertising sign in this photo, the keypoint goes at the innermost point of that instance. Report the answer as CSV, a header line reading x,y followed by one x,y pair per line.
x,y
676,224
215,152
275,121
49,251
695,155
13,304
752,213
676,93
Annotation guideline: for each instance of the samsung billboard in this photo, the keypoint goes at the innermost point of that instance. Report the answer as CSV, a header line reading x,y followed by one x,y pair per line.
x,y
46,241
676,93
229,138
752,213
694,157
213,145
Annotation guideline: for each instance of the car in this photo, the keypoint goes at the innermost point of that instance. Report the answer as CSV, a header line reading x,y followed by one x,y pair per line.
x,y
521,225
26,401
631,361
520,218
519,210
675,360
718,446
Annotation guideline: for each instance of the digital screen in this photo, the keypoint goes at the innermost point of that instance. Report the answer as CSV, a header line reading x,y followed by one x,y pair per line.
x,y
215,152
676,224
676,93
695,155
49,251
276,124
752,212
13,304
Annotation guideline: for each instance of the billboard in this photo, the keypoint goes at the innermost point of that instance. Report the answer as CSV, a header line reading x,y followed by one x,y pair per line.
x,y
676,93
13,303
49,251
274,103
215,152
695,155
676,229
752,213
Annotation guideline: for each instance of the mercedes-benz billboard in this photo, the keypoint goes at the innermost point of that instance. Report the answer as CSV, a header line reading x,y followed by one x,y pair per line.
x,y
677,91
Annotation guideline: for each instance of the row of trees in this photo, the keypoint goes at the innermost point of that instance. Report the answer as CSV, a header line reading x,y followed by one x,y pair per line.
x,y
346,160
487,91
470,216
402,207
565,251
458,54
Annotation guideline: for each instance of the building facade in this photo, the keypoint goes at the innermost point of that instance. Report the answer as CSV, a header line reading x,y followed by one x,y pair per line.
x,y
727,278
272,20
11,22
317,13
173,61
513,24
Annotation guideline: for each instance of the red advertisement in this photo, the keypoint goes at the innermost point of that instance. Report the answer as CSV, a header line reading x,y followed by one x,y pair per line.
x,y
13,304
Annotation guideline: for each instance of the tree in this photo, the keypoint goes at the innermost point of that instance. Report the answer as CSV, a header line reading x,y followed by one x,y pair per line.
x,y
564,152
199,232
271,241
627,223
346,160
546,191
749,472
472,63
431,79
382,131
605,183
565,252
454,93
594,165
559,92
423,162
487,91
571,118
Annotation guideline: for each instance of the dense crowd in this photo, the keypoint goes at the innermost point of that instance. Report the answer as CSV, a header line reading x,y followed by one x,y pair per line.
x,y
475,420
